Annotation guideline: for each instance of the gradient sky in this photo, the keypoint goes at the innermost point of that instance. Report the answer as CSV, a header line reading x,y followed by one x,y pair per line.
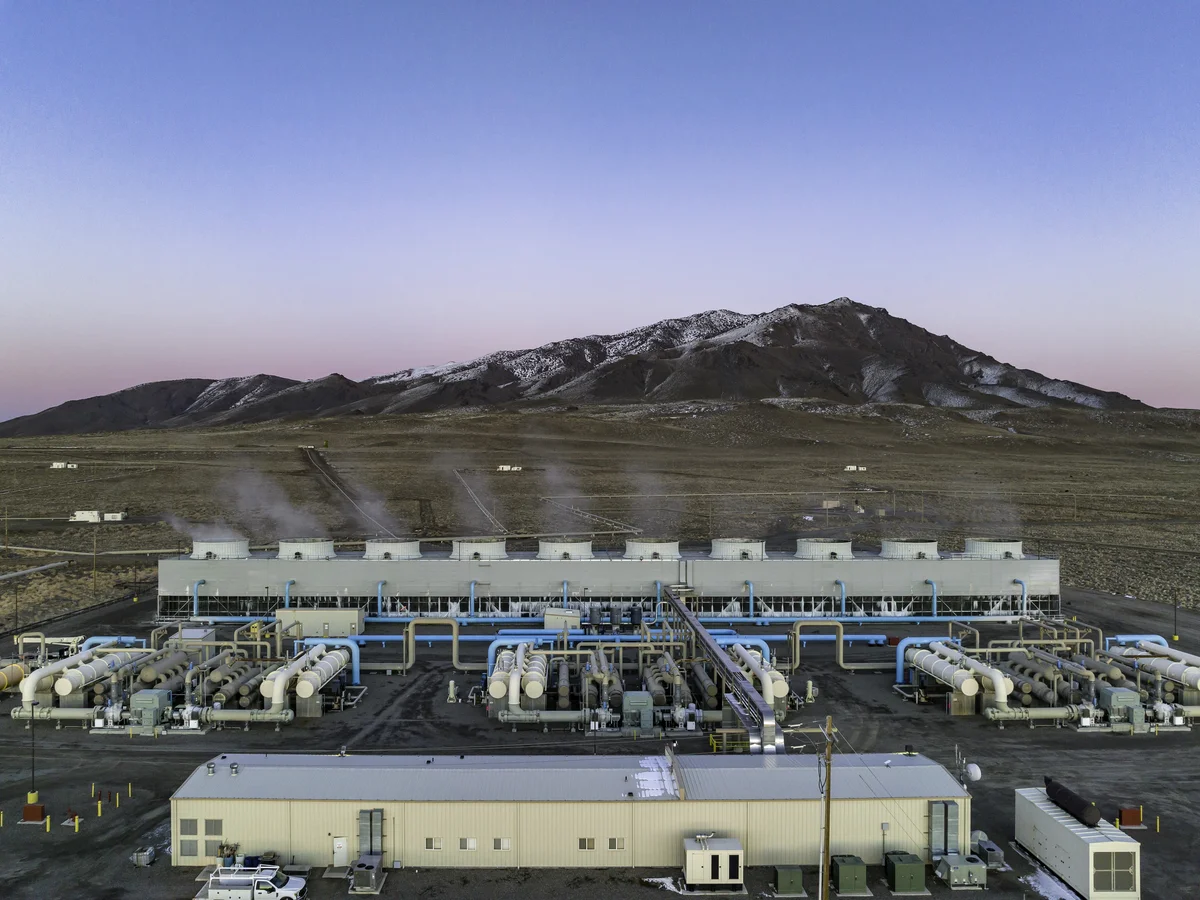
x,y
222,188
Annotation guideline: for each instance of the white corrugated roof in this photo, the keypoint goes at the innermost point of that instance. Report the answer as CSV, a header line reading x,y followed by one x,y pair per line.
x,y
1104,833
564,778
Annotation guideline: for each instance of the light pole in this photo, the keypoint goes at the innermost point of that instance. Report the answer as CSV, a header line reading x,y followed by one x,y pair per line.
x,y
33,792
1175,633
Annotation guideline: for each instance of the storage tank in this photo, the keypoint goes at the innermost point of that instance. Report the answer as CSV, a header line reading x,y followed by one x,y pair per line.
x,y
235,548
823,548
992,549
393,550
909,550
306,548
564,550
651,549
479,549
738,548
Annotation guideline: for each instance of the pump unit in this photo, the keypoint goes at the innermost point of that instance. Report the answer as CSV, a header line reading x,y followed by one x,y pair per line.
x,y
150,708
637,709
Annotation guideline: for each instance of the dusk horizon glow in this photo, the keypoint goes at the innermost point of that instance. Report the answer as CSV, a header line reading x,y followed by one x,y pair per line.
x,y
193,190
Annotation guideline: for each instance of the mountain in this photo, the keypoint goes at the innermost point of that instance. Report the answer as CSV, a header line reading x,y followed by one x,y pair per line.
x,y
841,350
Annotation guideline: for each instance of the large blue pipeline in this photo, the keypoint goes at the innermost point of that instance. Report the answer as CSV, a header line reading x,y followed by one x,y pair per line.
x,y
842,585
196,597
933,584
287,593
750,586
1130,638
379,597
125,640
1024,595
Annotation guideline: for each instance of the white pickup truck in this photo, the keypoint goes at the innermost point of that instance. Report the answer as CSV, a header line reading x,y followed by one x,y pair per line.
x,y
262,883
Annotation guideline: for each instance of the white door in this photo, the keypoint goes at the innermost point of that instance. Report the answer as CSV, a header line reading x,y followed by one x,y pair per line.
x,y
341,851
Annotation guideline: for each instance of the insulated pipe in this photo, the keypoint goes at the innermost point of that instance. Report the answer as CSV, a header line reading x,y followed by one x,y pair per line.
x,y
564,684
379,597
933,584
228,671
196,596
514,677
124,640
1169,652
728,640
943,670
557,716
750,587
1037,688
842,585
217,716
84,714
1062,713
995,676
195,673
1024,597
322,672
1072,667
350,645
654,685
1107,671
230,689
11,675
97,668
902,648
156,670
281,679
839,636
287,593
29,684
707,685
1180,671
498,680
1132,638
767,685
564,595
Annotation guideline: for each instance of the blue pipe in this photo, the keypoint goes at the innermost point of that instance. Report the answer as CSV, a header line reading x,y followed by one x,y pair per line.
x,y
842,585
287,596
196,597
750,585
1129,638
1024,596
471,600
355,671
874,640
907,642
379,597
933,584
125,640
564,595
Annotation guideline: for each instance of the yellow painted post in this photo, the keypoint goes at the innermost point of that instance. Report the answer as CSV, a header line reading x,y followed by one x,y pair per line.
x,y
99,809
47,824
118,799
1118,822
1,818
93,790
1156,824
77,824
129,788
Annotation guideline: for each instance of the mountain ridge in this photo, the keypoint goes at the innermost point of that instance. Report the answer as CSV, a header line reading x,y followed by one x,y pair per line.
x,y
841,350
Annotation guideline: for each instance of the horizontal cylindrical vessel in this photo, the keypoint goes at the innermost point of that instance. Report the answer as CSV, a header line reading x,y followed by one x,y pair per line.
x,y
321,672
152,672
943,670
96,668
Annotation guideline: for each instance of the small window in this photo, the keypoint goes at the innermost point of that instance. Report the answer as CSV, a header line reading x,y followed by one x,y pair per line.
x,y
213,826
501,844
616,843
188,826
188,848
212,848
587,843
433,843
466,844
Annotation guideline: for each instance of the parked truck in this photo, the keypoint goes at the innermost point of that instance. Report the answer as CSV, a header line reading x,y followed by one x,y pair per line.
x,y
261,883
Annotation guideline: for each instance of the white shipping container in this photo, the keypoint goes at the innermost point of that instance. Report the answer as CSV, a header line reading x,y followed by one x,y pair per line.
x,y
114,517
85,515
1101,863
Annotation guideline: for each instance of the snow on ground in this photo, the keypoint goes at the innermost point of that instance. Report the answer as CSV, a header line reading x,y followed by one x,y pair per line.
x,y
667,884
1048,886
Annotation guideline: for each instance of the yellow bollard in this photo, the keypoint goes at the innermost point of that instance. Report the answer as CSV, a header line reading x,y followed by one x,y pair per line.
x,y
47,824
129,788
1117,821
1156,824
93,790
77,824
1,818
118,799
99,809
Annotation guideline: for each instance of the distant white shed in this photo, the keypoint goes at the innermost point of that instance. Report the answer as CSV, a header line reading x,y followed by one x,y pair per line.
x,y
58,465
85,515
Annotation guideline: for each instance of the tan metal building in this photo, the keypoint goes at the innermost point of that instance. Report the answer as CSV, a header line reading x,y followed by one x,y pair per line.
x,y
557,811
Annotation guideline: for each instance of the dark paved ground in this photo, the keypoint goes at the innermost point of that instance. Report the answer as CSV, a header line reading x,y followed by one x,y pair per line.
x,y
405,714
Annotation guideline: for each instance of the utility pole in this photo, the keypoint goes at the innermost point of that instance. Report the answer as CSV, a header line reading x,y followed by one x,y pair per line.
x,y
827,799
94,566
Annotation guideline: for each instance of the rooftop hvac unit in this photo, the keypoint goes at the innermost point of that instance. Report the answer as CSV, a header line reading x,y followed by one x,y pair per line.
x,y
738,548
989,549
230,549
909,550
488,549
367,875
652,549
393,550
564,550
960,871
306,548
816,548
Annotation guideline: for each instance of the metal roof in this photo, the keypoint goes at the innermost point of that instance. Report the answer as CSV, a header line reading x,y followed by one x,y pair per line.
x,y
563,778
1103,833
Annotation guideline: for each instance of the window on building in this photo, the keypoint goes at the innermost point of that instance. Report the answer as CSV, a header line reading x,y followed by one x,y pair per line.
x,y
213,826
1113,872
212,848
616,843
433,843
501,844
466,844
188,826
188,848
587,843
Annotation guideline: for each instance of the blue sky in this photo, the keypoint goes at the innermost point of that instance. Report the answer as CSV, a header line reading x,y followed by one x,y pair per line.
x,y
222,189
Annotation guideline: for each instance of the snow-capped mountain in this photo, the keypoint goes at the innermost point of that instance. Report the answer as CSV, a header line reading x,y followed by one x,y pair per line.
x,y
841,350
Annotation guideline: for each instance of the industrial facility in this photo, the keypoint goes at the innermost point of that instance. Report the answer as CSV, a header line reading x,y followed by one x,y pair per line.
x,y
560,811
736,578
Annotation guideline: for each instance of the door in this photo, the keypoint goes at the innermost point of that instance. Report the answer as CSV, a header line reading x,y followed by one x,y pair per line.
x,y
341,851
735,866
715,864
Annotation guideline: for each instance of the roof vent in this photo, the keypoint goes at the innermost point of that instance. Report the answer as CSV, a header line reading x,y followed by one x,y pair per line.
x,y
233,767
212,768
